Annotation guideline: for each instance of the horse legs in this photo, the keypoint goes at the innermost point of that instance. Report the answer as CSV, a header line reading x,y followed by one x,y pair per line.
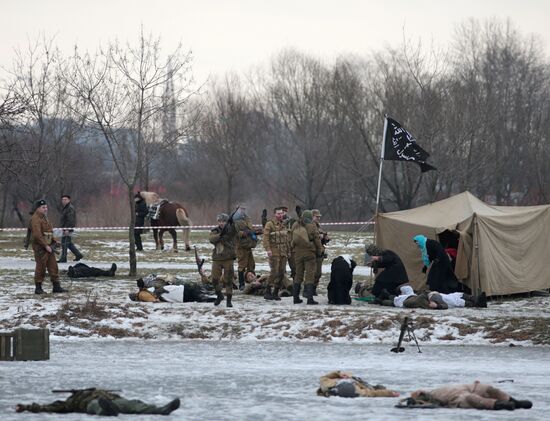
x,y
174,239
161,241
156,237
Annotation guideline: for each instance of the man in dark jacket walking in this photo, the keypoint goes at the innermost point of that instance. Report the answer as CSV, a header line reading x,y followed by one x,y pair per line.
x,y
141,213
68,221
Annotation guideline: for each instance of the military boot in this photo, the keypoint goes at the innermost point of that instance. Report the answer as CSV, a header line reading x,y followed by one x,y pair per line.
x,y
228,303
112,270
308,290
481,300
169,407
314,293
276,294
296,292
57,287
522,404
268,295
38,288
241,280
219,298
468,300
107,408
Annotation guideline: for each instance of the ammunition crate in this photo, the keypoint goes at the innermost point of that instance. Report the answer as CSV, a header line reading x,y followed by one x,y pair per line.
x,y
25,344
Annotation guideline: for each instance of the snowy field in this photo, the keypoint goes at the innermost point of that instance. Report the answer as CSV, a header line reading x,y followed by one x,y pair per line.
x,y
273,381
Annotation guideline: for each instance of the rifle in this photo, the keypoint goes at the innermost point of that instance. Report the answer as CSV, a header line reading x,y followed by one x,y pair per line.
x,y
264,217
229,222
88,389
199,261
404,326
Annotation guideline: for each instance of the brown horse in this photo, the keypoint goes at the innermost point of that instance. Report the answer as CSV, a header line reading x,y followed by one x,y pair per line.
x,y
170,214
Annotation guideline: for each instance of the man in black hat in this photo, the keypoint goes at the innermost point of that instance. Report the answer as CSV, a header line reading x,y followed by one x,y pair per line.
x,y
42,242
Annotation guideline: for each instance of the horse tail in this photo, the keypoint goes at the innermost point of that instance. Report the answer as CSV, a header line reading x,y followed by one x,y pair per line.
x,y
184,221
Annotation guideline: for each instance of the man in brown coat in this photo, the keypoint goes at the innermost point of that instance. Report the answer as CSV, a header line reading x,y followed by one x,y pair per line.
x,y
275,242
307,247
475,395
223,237
42,242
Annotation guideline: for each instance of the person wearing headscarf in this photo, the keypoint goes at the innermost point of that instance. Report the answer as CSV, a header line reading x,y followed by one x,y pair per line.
x,y
441,277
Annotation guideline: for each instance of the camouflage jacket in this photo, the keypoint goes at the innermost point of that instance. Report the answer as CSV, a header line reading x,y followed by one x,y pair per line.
x,y
275,238
224,247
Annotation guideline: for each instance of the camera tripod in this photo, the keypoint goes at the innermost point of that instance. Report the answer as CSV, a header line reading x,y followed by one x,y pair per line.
x,y
406,326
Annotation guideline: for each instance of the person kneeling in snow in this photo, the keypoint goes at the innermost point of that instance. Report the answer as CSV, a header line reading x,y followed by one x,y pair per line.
x,y
476,395
346,385
341,280
80,270
155,289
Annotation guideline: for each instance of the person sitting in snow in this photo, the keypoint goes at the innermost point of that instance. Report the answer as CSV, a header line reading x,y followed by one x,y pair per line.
x,y
155,289
476,395
341,280
346,385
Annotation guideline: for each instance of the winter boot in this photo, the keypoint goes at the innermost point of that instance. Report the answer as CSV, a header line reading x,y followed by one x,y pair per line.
x,y
112,270
57,287
78,257
241,280
296,292
228,303
169,407
468,300
268,295
276,294
308,292
522,404
508,405
314,291
38,288
481,300
219,298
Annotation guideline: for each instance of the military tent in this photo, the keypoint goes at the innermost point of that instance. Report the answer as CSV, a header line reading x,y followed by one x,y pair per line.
x,y
501,249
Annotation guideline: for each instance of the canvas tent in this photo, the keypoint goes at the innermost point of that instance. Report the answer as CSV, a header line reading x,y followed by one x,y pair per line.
x,y
502,249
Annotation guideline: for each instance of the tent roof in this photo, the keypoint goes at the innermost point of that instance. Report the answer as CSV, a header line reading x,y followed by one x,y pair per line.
x,y
448,212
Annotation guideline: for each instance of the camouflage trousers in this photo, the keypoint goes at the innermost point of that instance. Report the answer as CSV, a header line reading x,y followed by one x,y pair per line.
x,y
223,268
245,260
305,269
277,264
92,407
318,270
44,261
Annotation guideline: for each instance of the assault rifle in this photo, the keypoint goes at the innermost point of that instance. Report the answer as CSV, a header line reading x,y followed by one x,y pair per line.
x,y
199,261
88,389
229,222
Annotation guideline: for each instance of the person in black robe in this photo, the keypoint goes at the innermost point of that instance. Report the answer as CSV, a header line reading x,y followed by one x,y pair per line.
x,y
393,275
341,280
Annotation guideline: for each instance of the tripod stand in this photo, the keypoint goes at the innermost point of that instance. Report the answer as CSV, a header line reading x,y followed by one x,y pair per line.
x,y
406,326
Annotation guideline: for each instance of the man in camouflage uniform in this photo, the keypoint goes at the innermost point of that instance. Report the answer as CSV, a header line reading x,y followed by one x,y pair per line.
x,y
256,284
42,242
68,221
100,402
247,238
275,242
324,240
307,247
223,237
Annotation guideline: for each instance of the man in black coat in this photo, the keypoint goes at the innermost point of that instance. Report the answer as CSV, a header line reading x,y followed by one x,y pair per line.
x,y
341,280
68,221
394,273
141,213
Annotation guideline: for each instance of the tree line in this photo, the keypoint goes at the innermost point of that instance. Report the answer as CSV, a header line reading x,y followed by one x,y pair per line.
x,y
297,130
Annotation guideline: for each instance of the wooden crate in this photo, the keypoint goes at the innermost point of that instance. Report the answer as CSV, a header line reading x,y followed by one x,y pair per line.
x,y
25,345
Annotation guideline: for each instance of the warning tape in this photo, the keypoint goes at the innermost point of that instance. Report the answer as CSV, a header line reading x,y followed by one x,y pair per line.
x,y
180,227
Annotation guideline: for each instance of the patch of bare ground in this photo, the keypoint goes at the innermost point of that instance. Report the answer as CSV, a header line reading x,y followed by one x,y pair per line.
x,y
466,329
90,309
447,337
519,329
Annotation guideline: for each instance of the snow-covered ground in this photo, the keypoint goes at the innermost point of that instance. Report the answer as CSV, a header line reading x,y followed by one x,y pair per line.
x,y
273,381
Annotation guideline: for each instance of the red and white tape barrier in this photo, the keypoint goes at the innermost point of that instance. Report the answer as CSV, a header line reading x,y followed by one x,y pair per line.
x,y
182,227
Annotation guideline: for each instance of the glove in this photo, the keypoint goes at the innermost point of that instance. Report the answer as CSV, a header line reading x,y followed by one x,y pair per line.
x,y
424,269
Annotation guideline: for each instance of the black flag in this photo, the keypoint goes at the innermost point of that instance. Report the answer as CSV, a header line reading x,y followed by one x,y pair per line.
x,y
400,145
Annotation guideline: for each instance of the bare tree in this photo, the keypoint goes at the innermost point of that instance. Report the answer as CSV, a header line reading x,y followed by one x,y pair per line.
x,y
121,89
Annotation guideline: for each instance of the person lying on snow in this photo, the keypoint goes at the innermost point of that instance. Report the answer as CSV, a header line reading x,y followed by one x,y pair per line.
x,y
457,299
174,290
346,385
476,395
256,284
80,270
431,299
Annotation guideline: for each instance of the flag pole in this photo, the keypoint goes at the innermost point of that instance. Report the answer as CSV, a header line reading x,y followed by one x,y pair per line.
x,y
381,163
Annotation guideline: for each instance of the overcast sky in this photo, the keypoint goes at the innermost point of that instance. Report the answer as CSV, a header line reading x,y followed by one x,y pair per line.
x,y
233,35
